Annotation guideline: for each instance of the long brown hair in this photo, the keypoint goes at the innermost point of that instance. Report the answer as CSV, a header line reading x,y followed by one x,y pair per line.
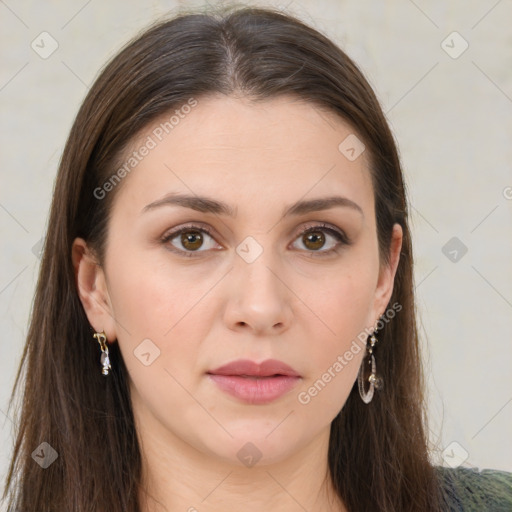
x,y
378,455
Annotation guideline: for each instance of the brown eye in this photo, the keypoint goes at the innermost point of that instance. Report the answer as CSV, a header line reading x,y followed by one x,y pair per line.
x,y
314,240
322,240
191,240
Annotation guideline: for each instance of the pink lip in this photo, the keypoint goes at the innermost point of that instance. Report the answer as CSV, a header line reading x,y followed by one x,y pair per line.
x,y
255,383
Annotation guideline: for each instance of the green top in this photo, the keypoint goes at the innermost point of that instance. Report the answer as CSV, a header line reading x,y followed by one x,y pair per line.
x,y
471,490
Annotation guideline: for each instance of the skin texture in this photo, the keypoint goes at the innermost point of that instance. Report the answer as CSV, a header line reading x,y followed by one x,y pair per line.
x,y
294,302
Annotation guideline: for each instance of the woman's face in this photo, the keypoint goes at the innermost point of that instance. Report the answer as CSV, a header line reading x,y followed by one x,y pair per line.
x,y
278,259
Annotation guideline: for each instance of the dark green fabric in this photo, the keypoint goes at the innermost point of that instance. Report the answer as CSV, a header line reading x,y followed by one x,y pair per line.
x,y
472,490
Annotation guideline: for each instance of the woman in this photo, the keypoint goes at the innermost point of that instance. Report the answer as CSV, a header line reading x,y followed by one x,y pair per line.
x,y
224,315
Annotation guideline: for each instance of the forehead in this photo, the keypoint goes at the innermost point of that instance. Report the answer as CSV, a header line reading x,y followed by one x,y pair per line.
x,y
243,152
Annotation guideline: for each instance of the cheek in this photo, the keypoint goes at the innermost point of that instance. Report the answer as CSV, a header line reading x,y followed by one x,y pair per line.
x,y
150,297
342,308
343,297
164,318
158,328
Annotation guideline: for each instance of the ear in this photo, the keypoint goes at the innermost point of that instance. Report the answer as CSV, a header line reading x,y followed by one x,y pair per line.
x,y
92,289
387,273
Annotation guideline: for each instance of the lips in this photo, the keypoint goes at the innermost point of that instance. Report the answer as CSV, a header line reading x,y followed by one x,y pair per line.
x,y
248,368
255,383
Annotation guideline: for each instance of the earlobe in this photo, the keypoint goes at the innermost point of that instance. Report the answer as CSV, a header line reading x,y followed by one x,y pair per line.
x,y
92,288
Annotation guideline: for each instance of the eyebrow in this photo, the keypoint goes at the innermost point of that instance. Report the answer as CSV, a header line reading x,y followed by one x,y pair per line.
x,y
209,205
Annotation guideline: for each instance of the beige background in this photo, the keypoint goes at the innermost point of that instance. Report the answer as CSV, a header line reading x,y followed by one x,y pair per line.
x,y
450,110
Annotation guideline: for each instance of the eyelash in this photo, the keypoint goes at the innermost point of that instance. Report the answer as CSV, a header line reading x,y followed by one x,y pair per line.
x,y
339,235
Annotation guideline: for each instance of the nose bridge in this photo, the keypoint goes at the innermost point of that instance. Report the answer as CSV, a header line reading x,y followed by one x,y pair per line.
x,y
259,297
257,265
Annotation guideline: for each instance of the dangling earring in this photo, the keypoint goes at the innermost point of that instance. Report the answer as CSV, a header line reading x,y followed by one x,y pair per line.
x,y
373,379
104,359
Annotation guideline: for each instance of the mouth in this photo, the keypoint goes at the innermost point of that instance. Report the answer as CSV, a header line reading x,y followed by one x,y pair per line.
x,y
255,383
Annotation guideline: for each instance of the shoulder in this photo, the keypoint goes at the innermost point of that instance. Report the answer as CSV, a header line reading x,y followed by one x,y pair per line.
x,y
467,490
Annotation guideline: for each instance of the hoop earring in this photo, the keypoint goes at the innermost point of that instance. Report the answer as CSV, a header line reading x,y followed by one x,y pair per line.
x,y
104,359
373,379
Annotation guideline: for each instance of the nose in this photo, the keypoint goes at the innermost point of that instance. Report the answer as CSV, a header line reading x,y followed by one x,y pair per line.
x,y
259,299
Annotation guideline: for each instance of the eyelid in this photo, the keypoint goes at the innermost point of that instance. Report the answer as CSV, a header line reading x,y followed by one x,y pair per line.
x,y
324,226
305,228
193,226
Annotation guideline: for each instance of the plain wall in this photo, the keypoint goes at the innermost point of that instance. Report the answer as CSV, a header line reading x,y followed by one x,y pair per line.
x,y
450,111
